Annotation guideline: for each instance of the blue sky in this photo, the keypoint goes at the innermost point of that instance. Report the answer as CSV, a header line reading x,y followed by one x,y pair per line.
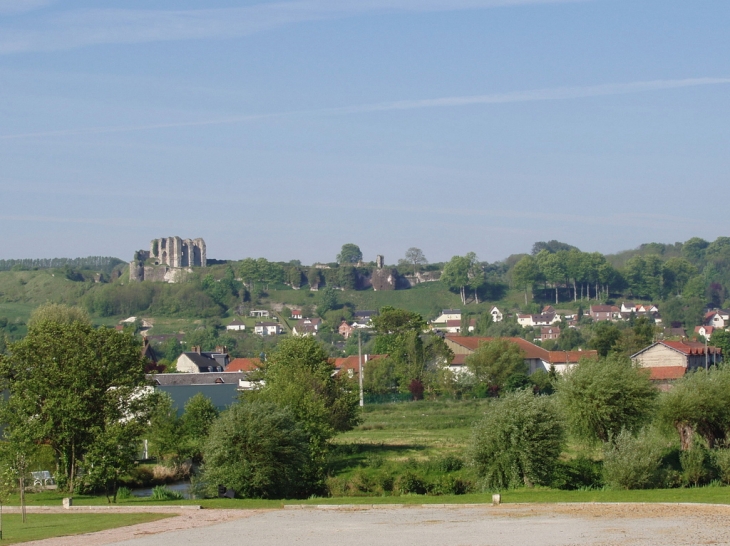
x,y
285,129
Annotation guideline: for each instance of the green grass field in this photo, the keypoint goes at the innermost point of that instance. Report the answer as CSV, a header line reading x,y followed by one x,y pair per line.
x,y
40,526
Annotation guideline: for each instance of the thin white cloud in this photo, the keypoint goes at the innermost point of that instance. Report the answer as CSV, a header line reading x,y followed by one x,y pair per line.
x,y
21,6
548,94
79,28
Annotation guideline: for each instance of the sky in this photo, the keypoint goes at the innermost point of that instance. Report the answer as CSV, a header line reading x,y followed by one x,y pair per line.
x,y
287,129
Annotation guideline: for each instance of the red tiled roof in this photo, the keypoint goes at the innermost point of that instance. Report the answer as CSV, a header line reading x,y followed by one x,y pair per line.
x,y
451,323
666,372
571,357
690,347
459,360
531,350
351,362
243,365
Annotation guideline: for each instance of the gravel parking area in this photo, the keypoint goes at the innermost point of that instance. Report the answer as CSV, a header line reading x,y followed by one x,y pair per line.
x,y
506,525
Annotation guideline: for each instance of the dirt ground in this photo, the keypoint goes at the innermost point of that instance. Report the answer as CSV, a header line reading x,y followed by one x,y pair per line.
x,y
505,525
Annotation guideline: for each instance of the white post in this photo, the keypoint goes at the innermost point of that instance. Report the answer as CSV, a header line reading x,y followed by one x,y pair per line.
x,y
359,368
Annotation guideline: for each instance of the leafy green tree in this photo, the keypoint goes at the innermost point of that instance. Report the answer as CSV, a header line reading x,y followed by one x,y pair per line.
x,y
494,361
111,456
605,337
349,254
59,313
195,423
676,273
416,257
600,397
721,339
314,277
518,442
699,404
553,268
525,273
456,275
259,450
347,277
694,250
570,338
396,321
327,301
67,384
299,376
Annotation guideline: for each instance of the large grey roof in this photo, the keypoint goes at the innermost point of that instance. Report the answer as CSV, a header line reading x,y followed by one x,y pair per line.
x,y
212,378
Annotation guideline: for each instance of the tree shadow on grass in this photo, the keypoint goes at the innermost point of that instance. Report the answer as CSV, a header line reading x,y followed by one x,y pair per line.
x,y
344,457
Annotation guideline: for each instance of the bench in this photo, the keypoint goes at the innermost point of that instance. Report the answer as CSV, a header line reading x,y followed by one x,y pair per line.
x,y
42,477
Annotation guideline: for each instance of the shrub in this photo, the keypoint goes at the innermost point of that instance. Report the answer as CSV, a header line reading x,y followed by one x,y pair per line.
x,y
633,462
518,442
600,397
164,493
578,473
259,451
696,466
722,463
124,493
450,485
410,482
448,463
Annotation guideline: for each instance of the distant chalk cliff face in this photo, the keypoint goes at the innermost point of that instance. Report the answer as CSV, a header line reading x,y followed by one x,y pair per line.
x,y
167,260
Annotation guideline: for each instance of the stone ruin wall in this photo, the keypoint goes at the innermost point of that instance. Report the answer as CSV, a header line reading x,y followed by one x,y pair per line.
x,y
172,257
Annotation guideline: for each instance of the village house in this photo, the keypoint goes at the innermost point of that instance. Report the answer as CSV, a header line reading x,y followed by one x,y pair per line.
x,y
197,361
345,330
259,313
296,314
235,326
604,312
364,316
717,318
447,315
497,315
549,332
454,326
544,319
306,327
704,331
536,357
267,328
350,365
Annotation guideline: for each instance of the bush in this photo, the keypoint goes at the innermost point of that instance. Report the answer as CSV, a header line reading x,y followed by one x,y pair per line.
x,y
633,462
258,450
450,485
518,442
578,473
448,463
697,467
164,493
124,493
600,397
722,463
410,482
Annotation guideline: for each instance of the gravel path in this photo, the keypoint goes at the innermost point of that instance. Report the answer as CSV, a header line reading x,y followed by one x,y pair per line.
x,y
506,525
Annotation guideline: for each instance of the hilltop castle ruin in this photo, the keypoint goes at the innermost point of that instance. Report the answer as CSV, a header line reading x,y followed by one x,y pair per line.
x,y
167,258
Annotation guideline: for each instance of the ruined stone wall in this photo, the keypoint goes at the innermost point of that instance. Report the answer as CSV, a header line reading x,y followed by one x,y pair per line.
x,y
171,256
177,252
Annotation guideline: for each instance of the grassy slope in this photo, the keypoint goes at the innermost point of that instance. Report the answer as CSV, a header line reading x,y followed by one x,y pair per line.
x,y
40,526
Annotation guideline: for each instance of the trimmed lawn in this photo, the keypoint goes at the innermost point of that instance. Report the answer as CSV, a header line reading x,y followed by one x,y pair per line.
x,y
40,526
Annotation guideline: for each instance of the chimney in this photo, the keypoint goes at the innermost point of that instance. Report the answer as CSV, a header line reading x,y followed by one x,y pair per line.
x,y
196,349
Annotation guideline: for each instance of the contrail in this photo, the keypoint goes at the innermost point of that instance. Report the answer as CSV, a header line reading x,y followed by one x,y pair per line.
x,y
548,94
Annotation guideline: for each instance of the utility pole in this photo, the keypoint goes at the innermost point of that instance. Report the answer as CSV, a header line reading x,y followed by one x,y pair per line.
x,y
359,367
707,356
